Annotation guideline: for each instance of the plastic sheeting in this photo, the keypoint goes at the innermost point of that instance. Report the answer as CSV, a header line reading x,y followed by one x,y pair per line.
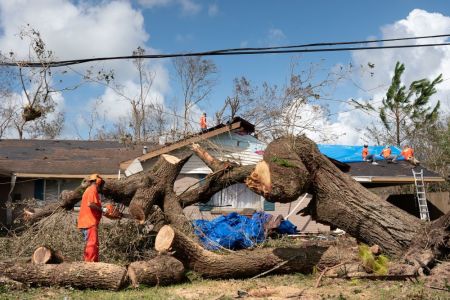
x,y
349,154
235,231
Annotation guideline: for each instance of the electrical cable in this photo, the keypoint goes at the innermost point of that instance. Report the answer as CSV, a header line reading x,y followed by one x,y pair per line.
x,y
237,51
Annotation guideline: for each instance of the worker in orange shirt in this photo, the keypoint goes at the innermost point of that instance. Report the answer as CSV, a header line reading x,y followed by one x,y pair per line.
x,y
89,217
367,156
203,125
408,154
387,155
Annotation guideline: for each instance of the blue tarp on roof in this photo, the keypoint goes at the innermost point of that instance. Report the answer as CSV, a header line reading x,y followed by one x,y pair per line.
x,y
349,154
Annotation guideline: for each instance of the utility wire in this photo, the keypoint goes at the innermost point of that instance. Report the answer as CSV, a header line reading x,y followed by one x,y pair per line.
x,y
240,51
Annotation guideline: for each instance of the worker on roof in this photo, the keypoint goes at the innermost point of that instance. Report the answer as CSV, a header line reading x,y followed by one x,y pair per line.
x,y
203,125
386,153
408,154
367,156
89,217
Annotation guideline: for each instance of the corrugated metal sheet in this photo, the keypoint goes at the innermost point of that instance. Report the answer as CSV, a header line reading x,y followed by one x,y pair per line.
x,y
195,166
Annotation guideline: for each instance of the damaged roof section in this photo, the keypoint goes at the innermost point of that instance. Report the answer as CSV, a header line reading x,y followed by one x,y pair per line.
x,y
63,158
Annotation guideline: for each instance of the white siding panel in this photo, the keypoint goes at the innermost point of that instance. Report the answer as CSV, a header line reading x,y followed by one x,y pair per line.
x,y
195,166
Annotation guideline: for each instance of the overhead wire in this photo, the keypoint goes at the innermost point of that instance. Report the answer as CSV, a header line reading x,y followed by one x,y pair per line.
x,y
245,51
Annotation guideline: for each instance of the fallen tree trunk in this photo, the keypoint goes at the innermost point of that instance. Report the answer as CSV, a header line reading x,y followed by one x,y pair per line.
x,y
79,275
239,264
294,166
46,255
159,271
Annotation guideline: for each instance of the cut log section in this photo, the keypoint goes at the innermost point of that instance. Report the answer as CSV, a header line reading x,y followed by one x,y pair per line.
x,y
239,264
81,275
159,271
46,255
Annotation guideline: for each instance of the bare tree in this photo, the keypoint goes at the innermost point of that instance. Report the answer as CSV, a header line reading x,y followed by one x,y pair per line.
x,y
35,85
197,77
290,109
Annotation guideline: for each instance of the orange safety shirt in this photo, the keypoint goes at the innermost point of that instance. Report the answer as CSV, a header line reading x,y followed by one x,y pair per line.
x,y
407,153
89,217
365,152
386,152
203,122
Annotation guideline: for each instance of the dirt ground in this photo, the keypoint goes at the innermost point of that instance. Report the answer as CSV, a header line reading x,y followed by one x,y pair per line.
x,y
271,287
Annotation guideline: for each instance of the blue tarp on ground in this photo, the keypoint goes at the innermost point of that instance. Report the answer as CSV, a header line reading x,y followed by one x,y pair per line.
x,y
349,154
235,231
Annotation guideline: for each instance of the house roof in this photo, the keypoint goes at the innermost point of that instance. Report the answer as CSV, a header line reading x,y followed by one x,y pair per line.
x,y
236,125
384,172
63,158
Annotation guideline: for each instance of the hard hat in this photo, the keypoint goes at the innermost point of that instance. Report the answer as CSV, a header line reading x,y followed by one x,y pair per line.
x,y
94,177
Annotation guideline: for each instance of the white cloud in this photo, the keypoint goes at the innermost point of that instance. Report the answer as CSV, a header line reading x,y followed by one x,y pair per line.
x,y
275,36
112,28
188,7
213,10
83,29
427,62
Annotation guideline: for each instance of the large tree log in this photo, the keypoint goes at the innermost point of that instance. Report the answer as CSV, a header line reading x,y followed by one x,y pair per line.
x,y
239,264
159,271
78,274
338,199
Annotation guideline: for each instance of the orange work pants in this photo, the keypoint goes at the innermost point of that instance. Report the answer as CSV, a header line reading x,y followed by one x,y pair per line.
x,y
90,236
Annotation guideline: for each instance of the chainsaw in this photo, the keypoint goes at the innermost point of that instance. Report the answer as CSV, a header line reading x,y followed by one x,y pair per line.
x,y
115,211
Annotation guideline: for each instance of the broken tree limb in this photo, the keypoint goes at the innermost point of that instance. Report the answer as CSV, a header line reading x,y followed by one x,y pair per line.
x,y
240,264
159,271
46,255
80,275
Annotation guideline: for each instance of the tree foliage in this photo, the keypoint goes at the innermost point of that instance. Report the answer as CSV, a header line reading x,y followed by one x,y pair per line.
x,y
406,110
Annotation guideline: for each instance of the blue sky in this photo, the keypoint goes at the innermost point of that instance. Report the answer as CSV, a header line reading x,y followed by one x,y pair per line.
x,y
108,28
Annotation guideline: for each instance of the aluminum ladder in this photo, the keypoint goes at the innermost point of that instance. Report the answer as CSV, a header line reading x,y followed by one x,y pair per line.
x,y
421,195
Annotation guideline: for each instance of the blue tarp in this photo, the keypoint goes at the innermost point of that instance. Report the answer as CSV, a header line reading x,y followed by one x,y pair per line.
x,y
234,231
348,154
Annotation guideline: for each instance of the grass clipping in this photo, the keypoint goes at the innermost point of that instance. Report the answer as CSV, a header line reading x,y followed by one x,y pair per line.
x,y
376,264
120,241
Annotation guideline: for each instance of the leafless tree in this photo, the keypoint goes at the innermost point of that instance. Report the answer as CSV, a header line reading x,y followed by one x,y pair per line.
x,y
197,77
290,109
32,107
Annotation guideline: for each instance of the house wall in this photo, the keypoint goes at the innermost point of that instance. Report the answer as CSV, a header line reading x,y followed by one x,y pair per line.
x,y
4,190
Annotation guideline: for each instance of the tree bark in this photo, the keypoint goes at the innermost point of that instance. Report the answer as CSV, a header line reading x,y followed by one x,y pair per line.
x,y
239,264
160,192
80,275
159,271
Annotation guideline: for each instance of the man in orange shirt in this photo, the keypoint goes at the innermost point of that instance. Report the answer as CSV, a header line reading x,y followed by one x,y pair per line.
x,y
203,125
89,217
387,155
367,156
408,154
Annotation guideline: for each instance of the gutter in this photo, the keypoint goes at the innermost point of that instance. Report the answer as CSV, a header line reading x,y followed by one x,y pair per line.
x,y
395,179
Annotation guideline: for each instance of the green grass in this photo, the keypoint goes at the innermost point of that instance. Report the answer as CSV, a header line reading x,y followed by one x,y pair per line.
x,y
280,287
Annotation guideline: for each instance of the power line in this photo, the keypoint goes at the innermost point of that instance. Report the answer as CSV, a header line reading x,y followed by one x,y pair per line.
x,y
242,51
